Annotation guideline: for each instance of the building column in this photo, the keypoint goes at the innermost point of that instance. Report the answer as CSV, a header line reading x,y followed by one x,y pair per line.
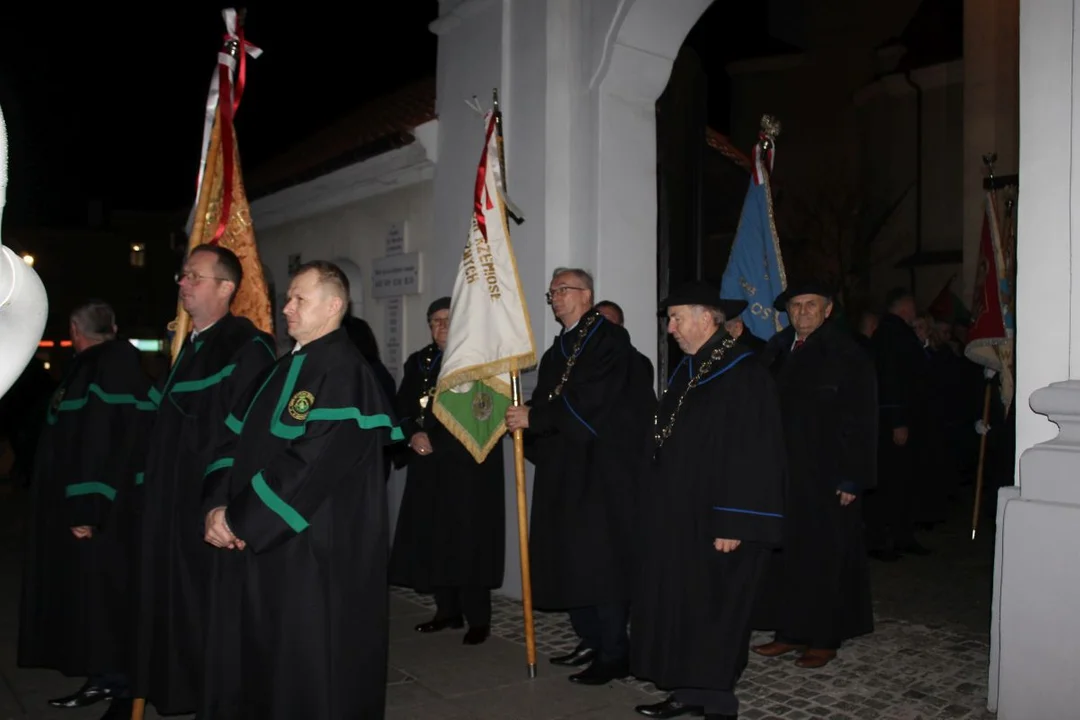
x,y
1036,579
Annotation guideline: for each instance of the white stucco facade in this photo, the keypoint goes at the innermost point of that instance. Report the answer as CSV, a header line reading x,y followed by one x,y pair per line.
x,y
1037,580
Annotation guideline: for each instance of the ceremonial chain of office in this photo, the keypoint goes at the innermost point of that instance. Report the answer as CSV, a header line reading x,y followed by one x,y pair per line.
x,y
716,355
583,333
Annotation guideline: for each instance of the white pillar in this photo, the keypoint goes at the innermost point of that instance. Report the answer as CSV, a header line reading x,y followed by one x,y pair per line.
x,y
1037,581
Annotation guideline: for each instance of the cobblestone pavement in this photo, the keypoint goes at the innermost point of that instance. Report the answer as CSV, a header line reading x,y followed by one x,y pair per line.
x,y
927,659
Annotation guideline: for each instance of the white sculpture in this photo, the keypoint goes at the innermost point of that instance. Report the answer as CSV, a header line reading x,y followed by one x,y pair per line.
x,y
23,303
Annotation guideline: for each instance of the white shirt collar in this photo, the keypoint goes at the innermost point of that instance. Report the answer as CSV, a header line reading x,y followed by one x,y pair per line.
x,y
197,333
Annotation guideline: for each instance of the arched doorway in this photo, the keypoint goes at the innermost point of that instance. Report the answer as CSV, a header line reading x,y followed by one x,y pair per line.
x,y
637,64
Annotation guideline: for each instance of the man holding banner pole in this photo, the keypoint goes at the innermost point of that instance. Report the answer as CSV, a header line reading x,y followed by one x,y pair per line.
x,y
588,426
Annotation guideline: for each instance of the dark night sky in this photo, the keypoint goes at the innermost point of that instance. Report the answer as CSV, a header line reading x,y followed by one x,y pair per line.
x,y
105,102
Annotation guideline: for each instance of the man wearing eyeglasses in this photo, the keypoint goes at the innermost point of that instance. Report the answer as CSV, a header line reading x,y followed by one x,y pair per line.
x,y
587,430
220,358
450,537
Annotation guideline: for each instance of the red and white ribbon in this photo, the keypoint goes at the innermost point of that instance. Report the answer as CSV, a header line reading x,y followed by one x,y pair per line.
x,y
762,166
223,76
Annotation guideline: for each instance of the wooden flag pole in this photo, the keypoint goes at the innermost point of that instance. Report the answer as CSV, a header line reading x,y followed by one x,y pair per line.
x,y
138,707
982,464
523,527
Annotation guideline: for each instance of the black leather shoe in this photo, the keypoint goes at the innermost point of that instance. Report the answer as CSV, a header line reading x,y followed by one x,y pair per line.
x,y
119,709
476,635
437,624
85,696
601,673
580,656
670,708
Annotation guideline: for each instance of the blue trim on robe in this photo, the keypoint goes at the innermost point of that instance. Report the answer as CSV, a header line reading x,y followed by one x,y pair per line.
x,y
579,418
724,369
600,321
686,359
748,512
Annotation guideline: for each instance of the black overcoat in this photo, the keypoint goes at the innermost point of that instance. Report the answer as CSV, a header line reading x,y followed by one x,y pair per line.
x,y
451,527
819,588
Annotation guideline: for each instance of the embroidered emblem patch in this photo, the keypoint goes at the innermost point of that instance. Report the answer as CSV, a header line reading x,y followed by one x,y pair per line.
x,y
300,405
482,406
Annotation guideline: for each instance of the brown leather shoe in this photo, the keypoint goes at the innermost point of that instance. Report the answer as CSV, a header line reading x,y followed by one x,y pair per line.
x,y
812,659
776,649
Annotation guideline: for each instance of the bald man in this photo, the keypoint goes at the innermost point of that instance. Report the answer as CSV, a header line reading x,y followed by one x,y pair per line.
x,y
296,511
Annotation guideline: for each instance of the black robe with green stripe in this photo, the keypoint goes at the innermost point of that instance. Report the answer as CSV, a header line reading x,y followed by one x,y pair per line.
x,y
298,619
76,601
210,375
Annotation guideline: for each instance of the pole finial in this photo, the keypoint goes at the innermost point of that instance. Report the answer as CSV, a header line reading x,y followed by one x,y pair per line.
x,y
770,129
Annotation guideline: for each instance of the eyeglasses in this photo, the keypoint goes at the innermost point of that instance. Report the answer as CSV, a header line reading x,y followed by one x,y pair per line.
x,y
560,291
194,277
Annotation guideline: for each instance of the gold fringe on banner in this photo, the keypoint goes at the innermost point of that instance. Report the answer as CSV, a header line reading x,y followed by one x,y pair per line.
x,y
253,299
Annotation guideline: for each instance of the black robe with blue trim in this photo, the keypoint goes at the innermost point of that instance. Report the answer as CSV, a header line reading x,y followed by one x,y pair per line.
x,y
209,376
589,444
451,530
298,618
76,600
720,474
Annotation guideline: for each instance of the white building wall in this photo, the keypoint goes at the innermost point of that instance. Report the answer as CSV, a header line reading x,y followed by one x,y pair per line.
x,y
357,232
1034,665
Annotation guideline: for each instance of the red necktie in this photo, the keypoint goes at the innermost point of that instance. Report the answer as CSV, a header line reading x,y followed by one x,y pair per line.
x,y
798,344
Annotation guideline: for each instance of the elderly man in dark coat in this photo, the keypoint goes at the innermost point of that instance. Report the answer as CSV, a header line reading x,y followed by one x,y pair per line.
x,y
587,424
819,590
712,512
451,534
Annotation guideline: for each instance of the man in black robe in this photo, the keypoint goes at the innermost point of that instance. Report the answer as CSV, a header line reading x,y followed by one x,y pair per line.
x,y
75,610
614,313
902,384
587,424
712,512
451,533
819,590
218,361
296,507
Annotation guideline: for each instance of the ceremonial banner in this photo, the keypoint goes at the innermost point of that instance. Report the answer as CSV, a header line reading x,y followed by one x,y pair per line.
x,y
948,307
991,338
222,214
490,333
755,268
